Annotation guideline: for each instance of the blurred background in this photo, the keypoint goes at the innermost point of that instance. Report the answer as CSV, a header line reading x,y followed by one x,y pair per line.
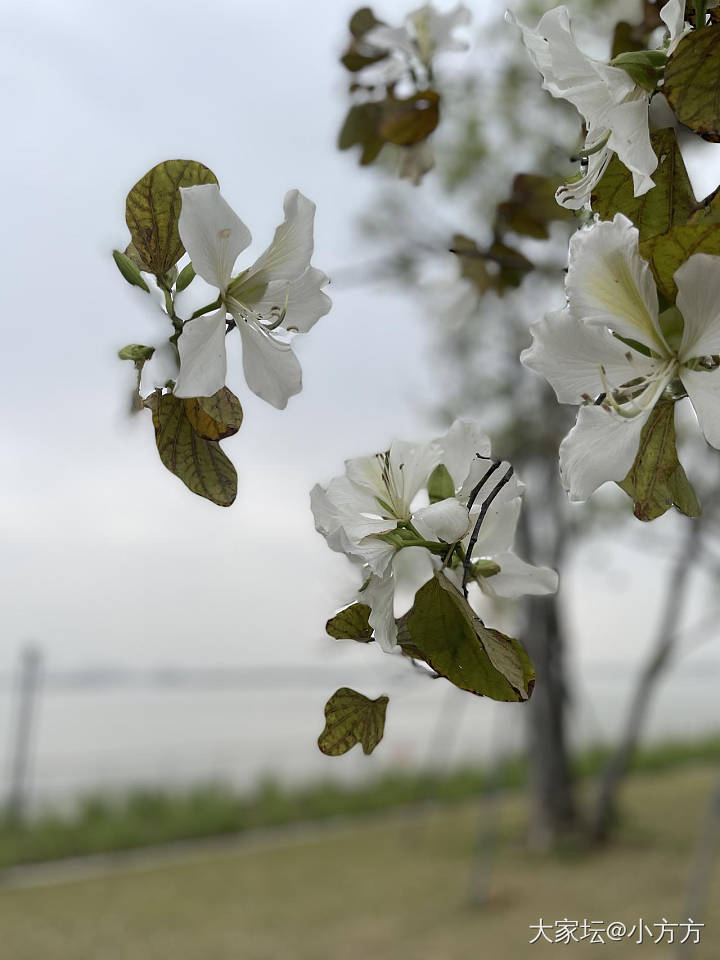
x,y
165,666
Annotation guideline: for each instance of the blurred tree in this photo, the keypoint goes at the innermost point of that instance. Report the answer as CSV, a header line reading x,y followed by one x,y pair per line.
x,y
503,271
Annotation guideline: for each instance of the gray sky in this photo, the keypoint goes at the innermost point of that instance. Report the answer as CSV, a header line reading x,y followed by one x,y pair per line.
x,y
106,557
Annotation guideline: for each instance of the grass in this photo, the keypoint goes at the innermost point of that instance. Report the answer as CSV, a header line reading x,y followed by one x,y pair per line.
x,y
388,888
150,817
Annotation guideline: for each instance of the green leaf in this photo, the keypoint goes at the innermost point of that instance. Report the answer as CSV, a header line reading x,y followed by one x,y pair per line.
x,y
670,250
657,481
449,636
440,484
670,202
216,417
352,718
152,210
360,128
530,207
351,624
200,464
363,20
692,81
359,54
410,121
136,352
185,278
130,270
496,268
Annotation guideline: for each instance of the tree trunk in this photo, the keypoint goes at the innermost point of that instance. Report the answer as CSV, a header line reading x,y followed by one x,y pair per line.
x,y
553,811
551,794
619,761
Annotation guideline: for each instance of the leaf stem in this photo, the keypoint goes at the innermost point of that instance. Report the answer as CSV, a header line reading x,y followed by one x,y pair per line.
x,y
476,530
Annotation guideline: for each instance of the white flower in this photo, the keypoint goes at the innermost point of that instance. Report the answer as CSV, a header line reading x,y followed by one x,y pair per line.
x,y
368,515
372,498
607,350
426,33
614,106
467,456
279,293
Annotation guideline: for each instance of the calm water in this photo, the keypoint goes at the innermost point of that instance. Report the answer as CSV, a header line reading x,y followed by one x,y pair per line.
x,y
115,735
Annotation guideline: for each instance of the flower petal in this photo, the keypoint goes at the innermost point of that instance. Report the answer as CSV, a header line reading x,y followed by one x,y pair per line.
x,y
703,387
630,139
446,520
577,193
698,300
608,282
672,15
462,444
380,594
572,355
395,477
203,361
600,447
272,370
302,299
569,74
211,232
497,531
391,38
442,25
288,256
517,578
478,469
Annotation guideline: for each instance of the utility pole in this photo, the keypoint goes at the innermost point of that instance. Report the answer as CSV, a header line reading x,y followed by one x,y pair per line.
x,y
25,703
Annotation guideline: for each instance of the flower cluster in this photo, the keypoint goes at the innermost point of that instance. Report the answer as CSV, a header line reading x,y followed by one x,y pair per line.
x,y
612,350
448,498
280,294
613,103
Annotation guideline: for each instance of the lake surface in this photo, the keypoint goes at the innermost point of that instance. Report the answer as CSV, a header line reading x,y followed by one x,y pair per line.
x,y
110,733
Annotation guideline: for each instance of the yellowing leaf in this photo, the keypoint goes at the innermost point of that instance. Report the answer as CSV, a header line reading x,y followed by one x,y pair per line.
x,y
351,624
200,464
352,718
692,81
152,210
670,202
656,481
216,417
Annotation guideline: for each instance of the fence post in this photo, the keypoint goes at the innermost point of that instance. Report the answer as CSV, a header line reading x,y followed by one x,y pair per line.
x,y
25,702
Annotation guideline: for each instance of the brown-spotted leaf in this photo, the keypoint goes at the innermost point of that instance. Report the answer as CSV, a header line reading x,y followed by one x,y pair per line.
x,y
352,623
656,481
199,463
352,718
670,202
152,210
692,82
215,417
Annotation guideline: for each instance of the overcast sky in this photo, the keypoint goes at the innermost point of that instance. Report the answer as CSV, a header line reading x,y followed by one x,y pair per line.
x,y
106,557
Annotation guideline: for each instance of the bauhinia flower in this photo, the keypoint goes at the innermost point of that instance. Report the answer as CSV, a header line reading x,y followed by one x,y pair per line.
x,y
426,33
614,106
279,294
612,351
371,513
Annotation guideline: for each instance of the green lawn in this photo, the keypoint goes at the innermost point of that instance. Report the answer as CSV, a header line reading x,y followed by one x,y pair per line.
x,y
385,889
